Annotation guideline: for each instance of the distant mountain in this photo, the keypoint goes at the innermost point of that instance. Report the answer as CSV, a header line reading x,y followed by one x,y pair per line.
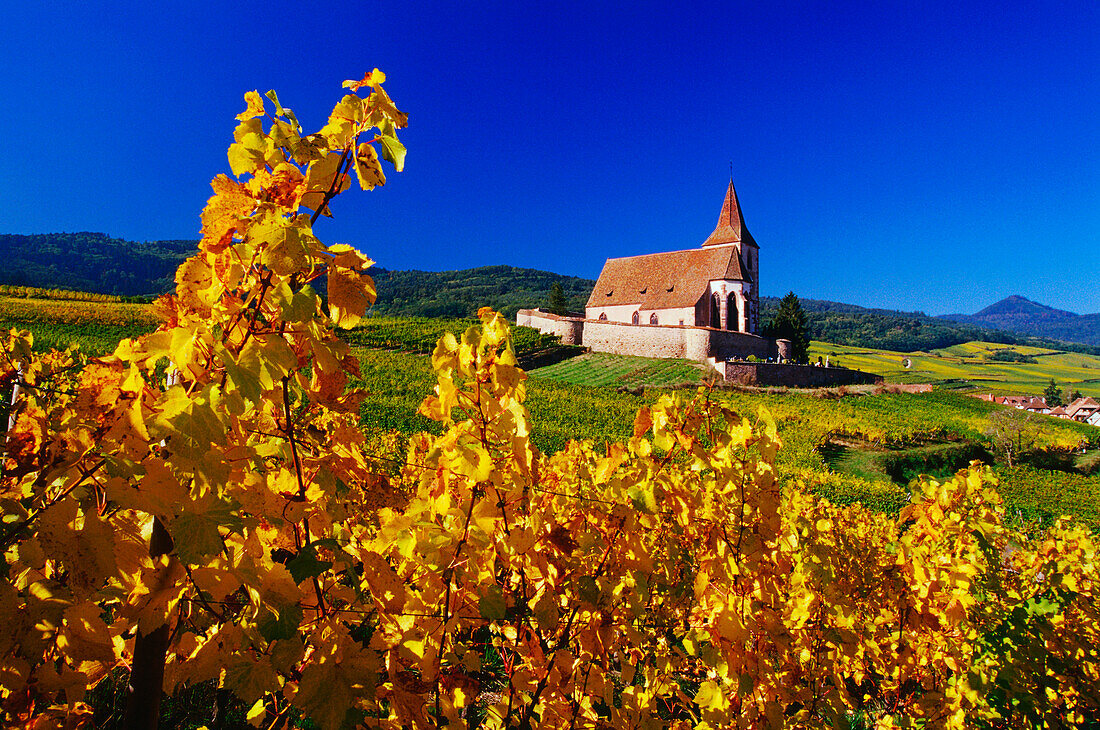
x,y
1021,315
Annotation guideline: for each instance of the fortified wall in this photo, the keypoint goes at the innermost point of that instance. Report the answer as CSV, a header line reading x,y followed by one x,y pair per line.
x,y
649,340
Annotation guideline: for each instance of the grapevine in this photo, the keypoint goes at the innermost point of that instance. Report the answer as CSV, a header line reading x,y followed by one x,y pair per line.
x,y
202,505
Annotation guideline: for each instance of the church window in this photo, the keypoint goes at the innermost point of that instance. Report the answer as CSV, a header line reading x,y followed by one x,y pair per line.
x,y
716,312
603,316
733,322
653,318
634,318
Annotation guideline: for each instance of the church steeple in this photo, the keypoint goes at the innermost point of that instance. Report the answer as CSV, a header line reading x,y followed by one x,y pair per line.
x,y
731,223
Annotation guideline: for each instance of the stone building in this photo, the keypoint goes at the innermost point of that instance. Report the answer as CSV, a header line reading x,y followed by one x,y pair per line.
x,y
712,286
699,304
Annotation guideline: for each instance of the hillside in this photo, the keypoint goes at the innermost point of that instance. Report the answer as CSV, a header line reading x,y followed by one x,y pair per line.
x,y
460,293
982,366
95,262
1018,314
887,329
91,262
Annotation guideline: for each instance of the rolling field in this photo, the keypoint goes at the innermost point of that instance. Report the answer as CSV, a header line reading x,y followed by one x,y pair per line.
x,y
578,399
968,367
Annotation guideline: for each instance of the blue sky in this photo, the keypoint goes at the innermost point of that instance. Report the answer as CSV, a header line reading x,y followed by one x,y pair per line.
x,y
906,155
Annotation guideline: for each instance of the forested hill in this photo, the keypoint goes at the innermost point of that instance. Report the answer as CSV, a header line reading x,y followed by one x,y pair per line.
x,y
460,293
92,262
95,262
1019,314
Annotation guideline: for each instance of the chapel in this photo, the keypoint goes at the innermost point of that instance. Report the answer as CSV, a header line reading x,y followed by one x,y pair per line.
x,y
715,285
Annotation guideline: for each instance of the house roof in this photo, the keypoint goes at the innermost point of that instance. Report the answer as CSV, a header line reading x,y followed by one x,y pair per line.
x,y
665,280
731,223
1086,405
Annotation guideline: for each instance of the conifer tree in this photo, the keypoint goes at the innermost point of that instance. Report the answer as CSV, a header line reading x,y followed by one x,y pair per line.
x,y
1053,394
558,305
790,323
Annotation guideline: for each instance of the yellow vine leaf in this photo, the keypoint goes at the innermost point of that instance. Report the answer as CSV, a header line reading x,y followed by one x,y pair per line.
x,y
368,168
371,79
254,106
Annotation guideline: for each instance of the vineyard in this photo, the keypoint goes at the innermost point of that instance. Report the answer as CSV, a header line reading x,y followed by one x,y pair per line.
x,y
973,366
420,334
95,323
600,369
576,399
243,513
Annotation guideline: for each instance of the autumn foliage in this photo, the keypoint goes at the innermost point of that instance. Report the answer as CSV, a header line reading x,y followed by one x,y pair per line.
x,y
209,481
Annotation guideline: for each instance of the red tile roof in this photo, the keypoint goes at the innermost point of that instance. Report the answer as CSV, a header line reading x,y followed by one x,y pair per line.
x,y
665,280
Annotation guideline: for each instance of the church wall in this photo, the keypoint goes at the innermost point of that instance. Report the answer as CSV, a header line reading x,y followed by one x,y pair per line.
x,y
683,315
616,313
725,344
691,343
795,376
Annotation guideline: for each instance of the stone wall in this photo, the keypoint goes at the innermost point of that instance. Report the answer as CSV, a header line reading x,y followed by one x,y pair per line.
x,y
795,376
569,328
725,344
646,340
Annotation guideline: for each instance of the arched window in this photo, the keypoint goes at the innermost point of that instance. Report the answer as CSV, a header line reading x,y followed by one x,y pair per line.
x,y
603,316
634,318
750,325
716,311
653,318
733,322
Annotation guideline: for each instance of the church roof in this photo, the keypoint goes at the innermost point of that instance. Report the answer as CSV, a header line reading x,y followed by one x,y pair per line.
x,y
665,280
731,223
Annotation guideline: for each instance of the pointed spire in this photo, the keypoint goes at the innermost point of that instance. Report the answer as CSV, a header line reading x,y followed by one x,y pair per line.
x,y
731,223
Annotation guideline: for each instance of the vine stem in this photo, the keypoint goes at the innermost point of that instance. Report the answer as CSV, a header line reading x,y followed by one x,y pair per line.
x,y
147,674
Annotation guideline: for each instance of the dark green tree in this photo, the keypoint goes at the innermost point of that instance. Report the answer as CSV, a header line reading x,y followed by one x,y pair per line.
x,y
558,305
1053,394
1073,396
790,323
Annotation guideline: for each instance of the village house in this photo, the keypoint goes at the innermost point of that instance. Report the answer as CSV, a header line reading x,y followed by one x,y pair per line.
x,y
1082,409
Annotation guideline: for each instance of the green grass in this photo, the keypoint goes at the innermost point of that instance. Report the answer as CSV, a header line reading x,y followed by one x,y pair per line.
x,y
599,369
968,367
